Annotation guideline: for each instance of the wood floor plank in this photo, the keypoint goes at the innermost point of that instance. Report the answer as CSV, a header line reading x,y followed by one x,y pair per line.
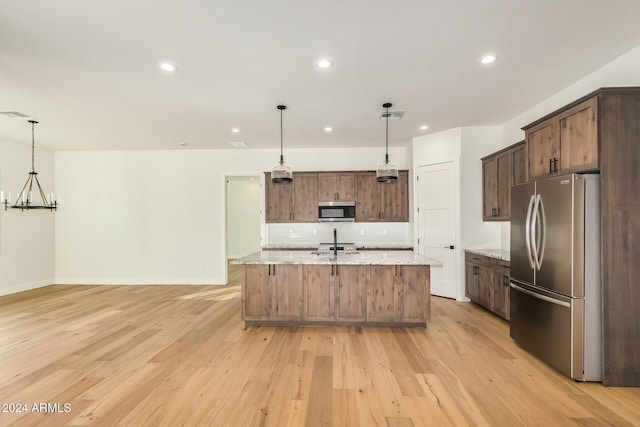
x,y
180,355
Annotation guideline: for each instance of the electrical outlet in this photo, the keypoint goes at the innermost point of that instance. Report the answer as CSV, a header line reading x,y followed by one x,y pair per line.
x,y
314,232
362,232
384,232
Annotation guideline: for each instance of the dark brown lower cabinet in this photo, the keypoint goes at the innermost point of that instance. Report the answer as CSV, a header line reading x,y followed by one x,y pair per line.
x,y
487,283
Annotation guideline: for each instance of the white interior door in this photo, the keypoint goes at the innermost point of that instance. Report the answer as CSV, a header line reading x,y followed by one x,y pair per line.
x,y
437,195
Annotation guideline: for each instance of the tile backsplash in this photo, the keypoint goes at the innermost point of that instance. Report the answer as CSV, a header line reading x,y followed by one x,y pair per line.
x,y
360,233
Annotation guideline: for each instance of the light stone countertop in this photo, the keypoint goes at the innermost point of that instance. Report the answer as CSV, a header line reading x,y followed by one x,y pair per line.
x,y
491,253
313,247
393,257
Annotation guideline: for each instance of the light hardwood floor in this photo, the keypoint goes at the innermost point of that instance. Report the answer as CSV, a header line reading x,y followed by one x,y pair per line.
x,y
180,355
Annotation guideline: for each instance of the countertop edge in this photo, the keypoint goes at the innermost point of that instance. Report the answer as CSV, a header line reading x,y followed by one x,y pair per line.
x,y
501,254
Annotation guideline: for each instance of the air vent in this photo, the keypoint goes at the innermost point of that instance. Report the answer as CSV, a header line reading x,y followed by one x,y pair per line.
x,y
15,115
239,144
393,115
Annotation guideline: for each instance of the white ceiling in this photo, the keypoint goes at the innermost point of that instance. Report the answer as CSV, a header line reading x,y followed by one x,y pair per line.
x,y
88,70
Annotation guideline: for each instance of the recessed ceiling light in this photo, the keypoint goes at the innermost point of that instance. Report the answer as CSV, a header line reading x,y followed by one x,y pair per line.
x,y
324,63
328,129
170,68
488,59
235,130
182,144
424,127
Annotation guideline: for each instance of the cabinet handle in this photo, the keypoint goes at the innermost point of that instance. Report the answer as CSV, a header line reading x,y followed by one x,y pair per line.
x,y
332,269
550,165
269,269
337,196
494,212
555,164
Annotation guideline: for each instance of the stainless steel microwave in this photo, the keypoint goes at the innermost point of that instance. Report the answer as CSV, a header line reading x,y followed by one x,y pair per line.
x,y
336,211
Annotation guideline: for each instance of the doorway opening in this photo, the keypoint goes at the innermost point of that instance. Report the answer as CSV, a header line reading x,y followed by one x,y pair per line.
x,y
243,209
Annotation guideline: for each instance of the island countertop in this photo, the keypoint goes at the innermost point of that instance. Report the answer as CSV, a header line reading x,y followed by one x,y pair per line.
x,y
393,257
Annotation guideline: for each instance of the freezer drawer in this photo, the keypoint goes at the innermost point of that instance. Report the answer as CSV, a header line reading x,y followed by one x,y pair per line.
x,y
549,326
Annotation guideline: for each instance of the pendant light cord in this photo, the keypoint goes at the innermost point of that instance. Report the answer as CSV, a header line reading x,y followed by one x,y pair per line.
x,y
281,156
386,144
33,146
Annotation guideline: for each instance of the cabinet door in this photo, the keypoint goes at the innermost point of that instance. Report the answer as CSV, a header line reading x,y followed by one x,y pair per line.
x,y
319,292
327,187
489,188
336,186
382,301
503,207
256,292
578,137
541,149
305,197
497,293
471,281
518,168
367,198
347,187
286,292
413,293
351,292
395,199
484,286
278,201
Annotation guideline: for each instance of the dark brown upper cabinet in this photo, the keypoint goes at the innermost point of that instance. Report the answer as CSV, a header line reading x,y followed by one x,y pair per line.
x,y
500,171
565,142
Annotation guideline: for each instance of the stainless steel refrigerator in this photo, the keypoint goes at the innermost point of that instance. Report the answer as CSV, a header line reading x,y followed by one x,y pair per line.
x,y
555,273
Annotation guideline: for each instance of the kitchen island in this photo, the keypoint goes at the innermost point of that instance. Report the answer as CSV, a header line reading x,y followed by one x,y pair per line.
x,y
367,288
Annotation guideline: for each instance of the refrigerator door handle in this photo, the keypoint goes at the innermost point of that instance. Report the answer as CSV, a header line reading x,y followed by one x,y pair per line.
x,y
543,232
527,224
534,231
540,297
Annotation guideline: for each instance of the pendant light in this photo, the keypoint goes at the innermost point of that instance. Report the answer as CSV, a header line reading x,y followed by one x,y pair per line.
x,y
387,173
281,173
25,198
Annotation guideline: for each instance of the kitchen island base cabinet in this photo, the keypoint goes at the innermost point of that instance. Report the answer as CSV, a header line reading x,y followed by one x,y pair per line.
x,y
319,296
351,290
397,293
348,295
272,292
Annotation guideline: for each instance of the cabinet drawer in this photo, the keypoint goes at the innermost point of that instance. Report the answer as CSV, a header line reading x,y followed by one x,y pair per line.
x,y
478,259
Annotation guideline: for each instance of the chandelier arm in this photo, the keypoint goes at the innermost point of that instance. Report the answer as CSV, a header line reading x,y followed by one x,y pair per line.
x,y
24,187
44,198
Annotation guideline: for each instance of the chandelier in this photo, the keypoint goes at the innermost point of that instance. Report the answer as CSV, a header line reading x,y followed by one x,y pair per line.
x,y
26,198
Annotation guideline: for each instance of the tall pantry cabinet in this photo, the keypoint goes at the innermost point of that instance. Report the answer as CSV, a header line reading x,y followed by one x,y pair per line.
x,y
602,131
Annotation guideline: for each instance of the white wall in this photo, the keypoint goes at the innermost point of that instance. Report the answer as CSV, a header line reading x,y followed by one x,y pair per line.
x,y
466,146
26,238
623,71
157,217
243,215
